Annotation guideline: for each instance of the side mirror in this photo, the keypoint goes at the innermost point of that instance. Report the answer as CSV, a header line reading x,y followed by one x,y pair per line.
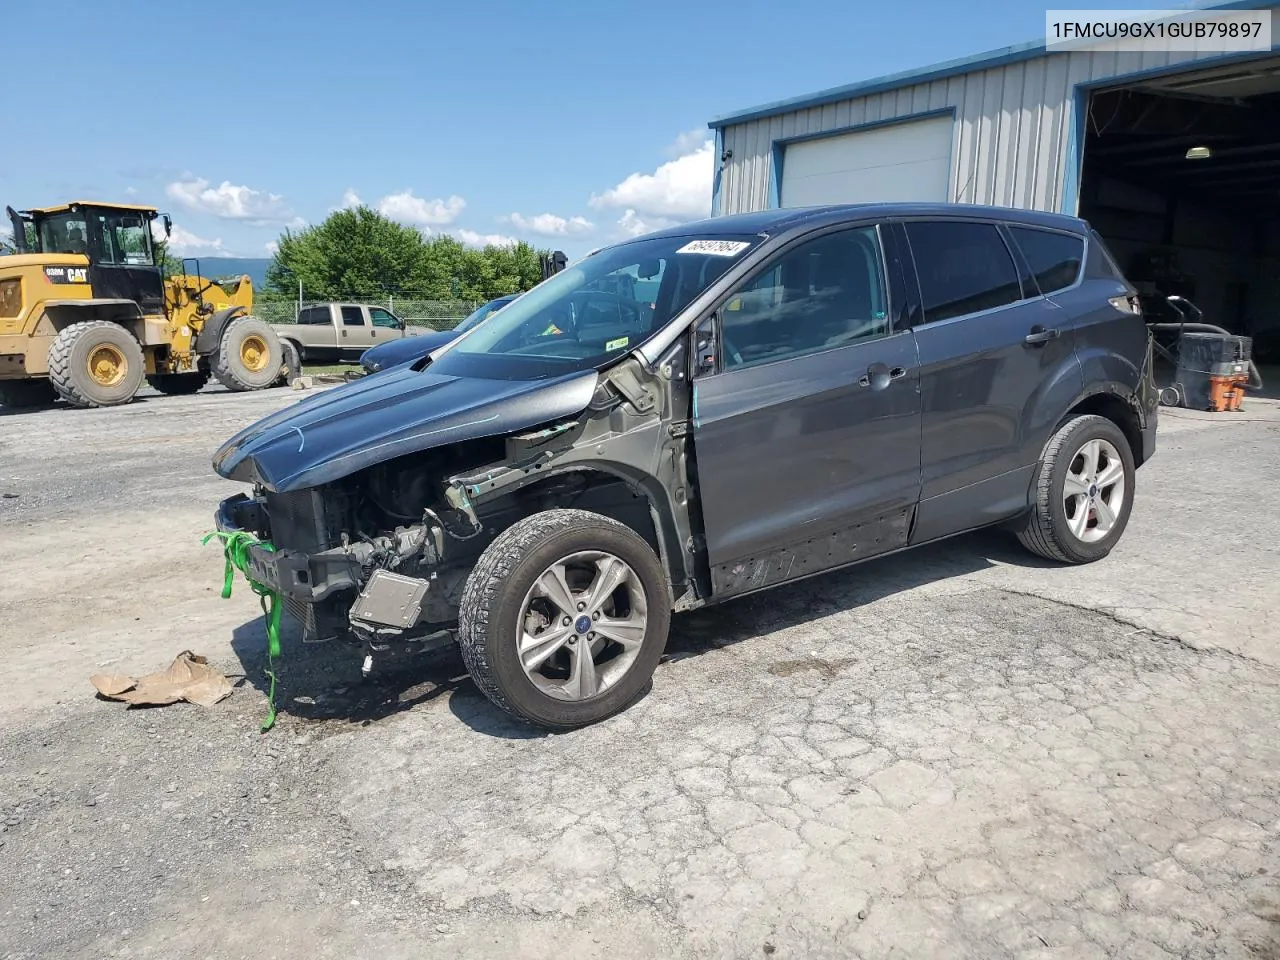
x,y
168,225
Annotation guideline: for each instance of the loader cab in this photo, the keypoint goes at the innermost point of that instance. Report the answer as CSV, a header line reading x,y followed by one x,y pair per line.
x,y
117,240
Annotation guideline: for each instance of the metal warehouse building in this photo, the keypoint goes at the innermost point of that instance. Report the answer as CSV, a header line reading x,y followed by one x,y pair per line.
x,y
1119,138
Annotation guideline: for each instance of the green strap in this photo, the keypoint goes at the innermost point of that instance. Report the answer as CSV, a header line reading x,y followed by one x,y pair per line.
x,y
235,548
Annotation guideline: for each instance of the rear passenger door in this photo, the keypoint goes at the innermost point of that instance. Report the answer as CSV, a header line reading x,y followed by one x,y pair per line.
x,y
996,369
807,426
354,336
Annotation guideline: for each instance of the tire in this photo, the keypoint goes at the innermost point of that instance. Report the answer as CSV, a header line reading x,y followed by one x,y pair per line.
x,y
26,393
291,362
1048,530
96,364
494,604
248,356
179,384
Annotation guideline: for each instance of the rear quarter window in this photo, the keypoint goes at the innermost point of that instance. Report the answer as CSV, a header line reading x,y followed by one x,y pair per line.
x,y
1098,261
1055,258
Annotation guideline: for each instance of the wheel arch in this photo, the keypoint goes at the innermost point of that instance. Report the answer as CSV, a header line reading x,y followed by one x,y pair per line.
x,y
1118,407
211,331
660,531
62,314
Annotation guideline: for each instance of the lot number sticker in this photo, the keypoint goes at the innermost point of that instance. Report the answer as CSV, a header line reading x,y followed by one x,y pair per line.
x,y
715,248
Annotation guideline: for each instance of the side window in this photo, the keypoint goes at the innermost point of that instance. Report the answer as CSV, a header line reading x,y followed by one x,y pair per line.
x,y
352,317
314,316
382,318
1099,262
1055,258
824,293
964,267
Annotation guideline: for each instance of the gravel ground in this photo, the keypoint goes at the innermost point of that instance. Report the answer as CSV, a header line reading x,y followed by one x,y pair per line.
x,y
956,752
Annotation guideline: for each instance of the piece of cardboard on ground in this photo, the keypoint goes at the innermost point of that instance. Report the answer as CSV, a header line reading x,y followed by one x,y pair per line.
x,y
188,678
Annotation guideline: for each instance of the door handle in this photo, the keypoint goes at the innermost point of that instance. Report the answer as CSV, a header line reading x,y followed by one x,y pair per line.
x,y
344,333
1039,335
879,376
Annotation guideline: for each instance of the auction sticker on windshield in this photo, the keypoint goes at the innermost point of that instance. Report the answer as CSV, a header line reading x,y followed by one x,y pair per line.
x,y
716,248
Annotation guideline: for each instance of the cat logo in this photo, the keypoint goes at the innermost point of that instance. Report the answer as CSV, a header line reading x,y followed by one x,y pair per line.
x,y
67,274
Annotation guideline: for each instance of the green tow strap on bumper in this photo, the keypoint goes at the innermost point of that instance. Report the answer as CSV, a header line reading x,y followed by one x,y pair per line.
x,y
235,547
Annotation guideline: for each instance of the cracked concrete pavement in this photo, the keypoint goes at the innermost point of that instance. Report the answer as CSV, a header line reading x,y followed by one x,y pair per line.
x,y
955,752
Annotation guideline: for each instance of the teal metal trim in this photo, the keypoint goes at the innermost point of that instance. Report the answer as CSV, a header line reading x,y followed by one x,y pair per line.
x,y
780,145
951,68
1074,167
775,174
719,168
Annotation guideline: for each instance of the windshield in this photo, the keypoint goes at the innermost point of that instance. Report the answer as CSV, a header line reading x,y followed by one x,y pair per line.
x,y
493,306
594,311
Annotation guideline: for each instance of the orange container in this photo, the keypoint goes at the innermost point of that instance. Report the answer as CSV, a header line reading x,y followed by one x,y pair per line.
x,y
1226,394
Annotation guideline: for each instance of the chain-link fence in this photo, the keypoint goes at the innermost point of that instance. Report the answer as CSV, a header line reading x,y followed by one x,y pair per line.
x,y
437,314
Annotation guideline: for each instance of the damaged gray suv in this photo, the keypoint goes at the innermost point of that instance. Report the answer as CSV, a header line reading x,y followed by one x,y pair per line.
x,y
695,415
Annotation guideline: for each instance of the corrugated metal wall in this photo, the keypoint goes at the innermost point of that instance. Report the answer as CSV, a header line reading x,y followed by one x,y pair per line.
x,y
1010,141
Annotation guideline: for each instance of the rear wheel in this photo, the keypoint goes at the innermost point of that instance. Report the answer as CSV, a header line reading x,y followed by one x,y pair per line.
x,y
249,355
291,363
564,618
1084,492
26,393
96,364
179,384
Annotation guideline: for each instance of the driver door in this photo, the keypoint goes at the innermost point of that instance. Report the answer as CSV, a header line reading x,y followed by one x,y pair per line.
x,y
807,416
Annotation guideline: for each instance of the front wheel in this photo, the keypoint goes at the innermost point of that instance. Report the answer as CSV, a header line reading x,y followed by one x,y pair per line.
x,y
248,356
564,618
96,363
1084,492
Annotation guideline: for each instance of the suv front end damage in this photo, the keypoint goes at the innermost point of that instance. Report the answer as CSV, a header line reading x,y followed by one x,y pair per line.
x,y
380,556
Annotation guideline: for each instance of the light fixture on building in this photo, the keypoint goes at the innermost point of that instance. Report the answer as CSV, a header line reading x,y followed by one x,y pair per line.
x,y
1199,153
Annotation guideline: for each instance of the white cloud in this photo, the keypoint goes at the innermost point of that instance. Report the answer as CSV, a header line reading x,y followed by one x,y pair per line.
x,y
272,248
473,239
679,189
231,202
417,212
634,225
688,142
350,200
130,191
185,243
550,225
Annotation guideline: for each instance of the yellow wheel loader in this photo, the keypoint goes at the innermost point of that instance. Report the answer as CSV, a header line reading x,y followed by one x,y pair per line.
x,y
87,315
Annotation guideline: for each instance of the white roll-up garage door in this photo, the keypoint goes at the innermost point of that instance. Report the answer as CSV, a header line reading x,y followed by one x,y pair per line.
x,y
900,161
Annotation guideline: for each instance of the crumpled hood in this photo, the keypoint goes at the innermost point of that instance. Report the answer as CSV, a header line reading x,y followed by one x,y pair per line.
x,y
399,351
379,418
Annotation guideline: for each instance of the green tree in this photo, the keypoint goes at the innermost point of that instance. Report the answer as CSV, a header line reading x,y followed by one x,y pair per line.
x,y
361,253
353,253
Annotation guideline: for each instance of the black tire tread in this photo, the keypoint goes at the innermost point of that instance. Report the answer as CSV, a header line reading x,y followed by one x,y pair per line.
x,y
1038,535
481,595
60,373
179,384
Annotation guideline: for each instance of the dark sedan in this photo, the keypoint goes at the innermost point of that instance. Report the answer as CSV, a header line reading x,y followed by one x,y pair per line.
x,y
395,352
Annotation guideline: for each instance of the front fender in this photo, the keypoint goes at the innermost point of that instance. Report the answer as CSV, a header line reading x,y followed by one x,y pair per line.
x,y
210,335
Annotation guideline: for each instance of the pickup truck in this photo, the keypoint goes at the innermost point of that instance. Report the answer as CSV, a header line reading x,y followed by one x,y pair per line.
x,y
341,332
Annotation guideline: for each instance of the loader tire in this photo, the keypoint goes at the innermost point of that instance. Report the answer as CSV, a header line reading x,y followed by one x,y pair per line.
x,y
290,364
178,384
96,364
26,393
249,356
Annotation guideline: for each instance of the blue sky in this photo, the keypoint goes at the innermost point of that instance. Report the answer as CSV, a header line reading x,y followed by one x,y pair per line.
x,y
566,123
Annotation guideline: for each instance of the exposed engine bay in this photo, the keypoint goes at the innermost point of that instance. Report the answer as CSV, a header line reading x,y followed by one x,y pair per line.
x,y
380,557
